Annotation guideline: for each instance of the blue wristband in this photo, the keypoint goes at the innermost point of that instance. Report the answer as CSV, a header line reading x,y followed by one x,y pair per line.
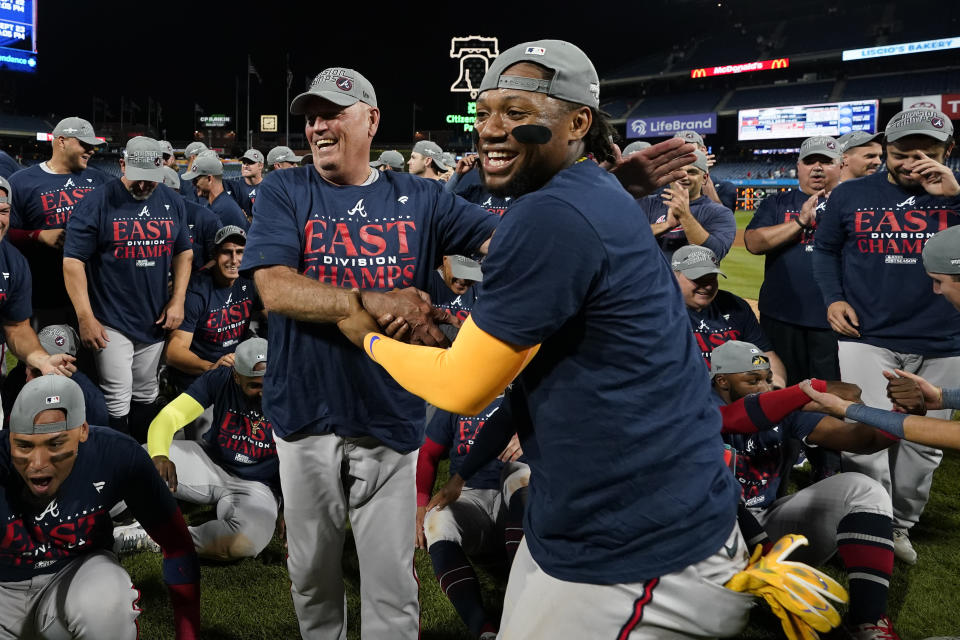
x,y
950,399
887,421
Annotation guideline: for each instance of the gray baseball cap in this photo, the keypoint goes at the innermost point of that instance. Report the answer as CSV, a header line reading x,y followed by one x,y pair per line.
x,y
919,122
449,159
170,178
43,393
736,356
252,155
5,185
341,86
690,136
143,158
633,147
941,253
433,151
392,159
59,338
78,128
229,232
167,147
820,146
282,154
574,76
857,139
695,261
194,148
466,269
249,354
701,161
206,164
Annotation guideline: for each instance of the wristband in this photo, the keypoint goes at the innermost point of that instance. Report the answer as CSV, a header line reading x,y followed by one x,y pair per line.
x,y
801,225
886,421
950,398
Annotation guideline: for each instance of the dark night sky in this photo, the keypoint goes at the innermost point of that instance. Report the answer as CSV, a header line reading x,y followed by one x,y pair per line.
x,y
180,54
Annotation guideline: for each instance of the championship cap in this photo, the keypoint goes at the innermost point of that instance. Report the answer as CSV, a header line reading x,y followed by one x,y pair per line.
x,y
43,393
574,76
194,148
167,147
282,154
206,164
252,155
433,151
170,178
143,159
701,161
249,354
736,356
633,147
230,232
464,268
695,261
857,139
690,136
392,159
820,146
449,159
5,185
59,338
77,128
343,87
941,253
919,122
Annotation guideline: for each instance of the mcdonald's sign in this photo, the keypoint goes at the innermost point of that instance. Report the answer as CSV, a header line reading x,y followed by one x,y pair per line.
x,y
744,67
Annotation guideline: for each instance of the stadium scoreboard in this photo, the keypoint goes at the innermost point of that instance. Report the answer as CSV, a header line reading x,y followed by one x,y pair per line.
x,y
803,121
18,35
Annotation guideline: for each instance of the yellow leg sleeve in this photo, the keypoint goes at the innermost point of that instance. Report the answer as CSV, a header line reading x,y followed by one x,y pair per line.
x,y
173,417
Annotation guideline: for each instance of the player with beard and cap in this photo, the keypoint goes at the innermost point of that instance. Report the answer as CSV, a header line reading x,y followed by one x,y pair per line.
x,y
453,287
862,154
244,188
42,201
389,161
169,157
123,243
426,160
879,300
201,221
60,477
283,158
190,153
723,192
206,176
645,552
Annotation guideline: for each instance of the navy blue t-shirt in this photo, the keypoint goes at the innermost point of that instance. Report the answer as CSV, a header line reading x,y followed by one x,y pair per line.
x,y
43,200
715,218
878,230
189,193
391,233
42,538
218,317
457,434
628,482
228,211
16,283
203,225
728,317
243,194
8,166
789,292
470,188
93,400
240,439
128,246
727,192
444,298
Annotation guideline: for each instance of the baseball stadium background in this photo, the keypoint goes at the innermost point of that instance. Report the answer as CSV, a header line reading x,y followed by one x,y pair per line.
x,y
754,79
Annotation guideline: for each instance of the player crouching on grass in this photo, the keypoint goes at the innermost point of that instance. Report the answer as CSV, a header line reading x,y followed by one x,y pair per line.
x,y
236,466
849,514
60,478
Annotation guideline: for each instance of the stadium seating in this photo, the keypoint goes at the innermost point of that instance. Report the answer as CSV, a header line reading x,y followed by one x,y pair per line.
x,y
780,95
677,103
895,85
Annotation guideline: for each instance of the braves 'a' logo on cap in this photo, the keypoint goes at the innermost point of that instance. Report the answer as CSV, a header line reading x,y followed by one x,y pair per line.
x,y
831,145
937,121
60,341
344,83
157,162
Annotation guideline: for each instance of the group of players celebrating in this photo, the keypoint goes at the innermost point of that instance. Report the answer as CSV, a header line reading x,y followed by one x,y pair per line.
x,y
617,422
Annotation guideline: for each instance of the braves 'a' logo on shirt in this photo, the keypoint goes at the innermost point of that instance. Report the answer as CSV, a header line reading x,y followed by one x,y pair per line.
x,y
48,536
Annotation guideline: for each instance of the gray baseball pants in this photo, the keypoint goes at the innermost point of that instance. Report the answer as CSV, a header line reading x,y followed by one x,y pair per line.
x,y
128,370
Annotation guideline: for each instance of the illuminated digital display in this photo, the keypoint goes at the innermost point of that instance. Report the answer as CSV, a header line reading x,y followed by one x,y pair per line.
x,y
743,67
803,121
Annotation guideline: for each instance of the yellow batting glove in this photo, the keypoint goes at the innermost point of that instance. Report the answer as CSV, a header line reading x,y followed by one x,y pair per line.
x,y
797,594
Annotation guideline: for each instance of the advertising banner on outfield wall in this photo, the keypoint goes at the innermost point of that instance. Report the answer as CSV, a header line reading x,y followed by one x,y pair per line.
x,y
664,126
949,103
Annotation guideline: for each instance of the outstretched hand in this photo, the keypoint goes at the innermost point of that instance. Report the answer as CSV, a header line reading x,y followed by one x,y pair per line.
x,y
649,169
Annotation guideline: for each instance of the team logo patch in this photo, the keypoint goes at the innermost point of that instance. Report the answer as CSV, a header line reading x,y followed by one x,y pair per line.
x,y
937,121
344,84
60,341
52,400
760,360
157,162
831,145
536,51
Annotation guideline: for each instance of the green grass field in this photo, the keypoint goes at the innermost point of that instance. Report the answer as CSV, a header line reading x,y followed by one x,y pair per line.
x,y
251,599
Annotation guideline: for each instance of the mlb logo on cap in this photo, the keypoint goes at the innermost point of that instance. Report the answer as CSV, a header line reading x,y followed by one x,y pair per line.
x,y
536,51
53,399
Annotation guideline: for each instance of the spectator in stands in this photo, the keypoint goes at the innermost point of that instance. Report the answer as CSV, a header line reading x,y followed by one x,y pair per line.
x,y
201,221
216,315
207,178
8,166
426,160
190,153
862,154
283,158
389,161
723,192
169,157
42,201
130,235
878,296
717,316
236,469
682,215
244,188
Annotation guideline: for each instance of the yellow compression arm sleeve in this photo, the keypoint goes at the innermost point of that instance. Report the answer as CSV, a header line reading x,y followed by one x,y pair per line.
x,y
462,379
173,417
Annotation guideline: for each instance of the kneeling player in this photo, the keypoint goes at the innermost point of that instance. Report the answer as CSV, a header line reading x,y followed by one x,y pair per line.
x,y
58,578
236,467
848,513
494,495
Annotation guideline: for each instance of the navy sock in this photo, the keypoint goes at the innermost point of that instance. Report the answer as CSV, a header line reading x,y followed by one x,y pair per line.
x,y
513,526
459,582
865,544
